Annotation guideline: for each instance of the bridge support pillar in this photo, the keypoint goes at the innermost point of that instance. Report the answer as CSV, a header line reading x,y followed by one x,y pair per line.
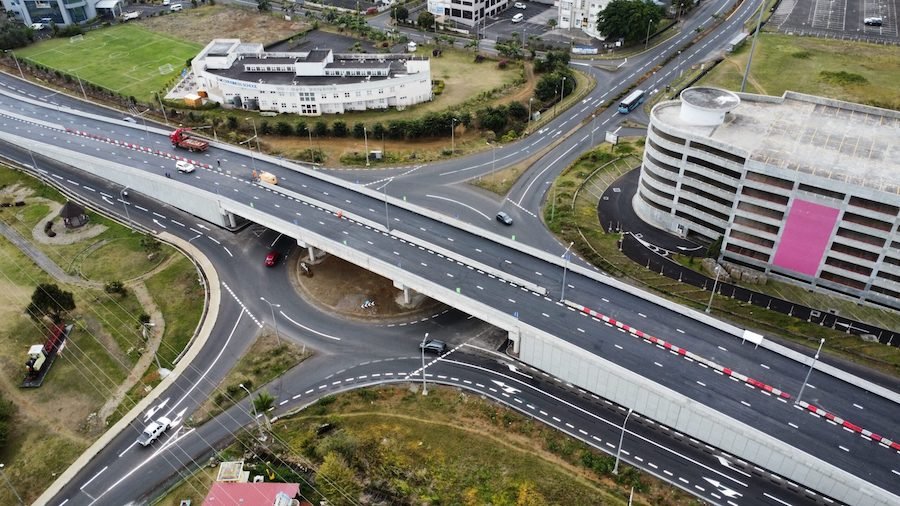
x,y
514,338
232,223
312,253
407,293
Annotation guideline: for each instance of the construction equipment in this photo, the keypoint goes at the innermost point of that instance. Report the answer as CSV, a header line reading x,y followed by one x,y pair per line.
x,y
41,356
181,138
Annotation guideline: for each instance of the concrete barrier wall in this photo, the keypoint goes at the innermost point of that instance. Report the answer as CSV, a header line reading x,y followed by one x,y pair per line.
x,y
197,202
668,407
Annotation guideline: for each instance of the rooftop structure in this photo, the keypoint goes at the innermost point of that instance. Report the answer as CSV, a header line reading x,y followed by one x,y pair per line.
x,y
315,82
804,188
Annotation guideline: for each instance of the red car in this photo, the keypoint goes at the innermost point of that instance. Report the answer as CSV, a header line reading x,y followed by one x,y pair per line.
x,y
272,258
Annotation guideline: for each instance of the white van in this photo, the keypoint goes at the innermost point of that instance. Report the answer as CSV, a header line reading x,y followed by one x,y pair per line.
x,y
518,18
175,7
411,47
165,2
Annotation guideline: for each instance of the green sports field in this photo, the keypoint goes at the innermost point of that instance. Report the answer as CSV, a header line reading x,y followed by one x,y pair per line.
x,y
124,58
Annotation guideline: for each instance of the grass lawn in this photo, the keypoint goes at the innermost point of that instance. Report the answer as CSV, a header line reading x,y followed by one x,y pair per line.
x,y
179,296
451,447
124,58
844,70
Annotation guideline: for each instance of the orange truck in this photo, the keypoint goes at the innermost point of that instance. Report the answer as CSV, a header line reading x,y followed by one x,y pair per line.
x,y
181,138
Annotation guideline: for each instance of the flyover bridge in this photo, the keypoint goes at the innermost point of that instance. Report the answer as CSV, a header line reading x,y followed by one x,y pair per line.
x,y
517,289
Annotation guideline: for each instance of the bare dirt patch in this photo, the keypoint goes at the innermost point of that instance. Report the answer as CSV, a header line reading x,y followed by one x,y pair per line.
x,y
204,24
343,288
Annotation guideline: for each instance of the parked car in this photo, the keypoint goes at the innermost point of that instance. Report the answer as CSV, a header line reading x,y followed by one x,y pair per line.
x,y
272,258
518,18
434,346
175,7
153,431
520,5
37,26
186,167
129,119
504,218
874,21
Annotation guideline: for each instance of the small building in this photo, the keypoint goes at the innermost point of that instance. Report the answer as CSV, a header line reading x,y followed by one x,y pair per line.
x,y
252,494
311,83
73,215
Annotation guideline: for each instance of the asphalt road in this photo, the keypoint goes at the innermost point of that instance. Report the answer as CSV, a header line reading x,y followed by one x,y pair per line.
x,y
847,451
748,405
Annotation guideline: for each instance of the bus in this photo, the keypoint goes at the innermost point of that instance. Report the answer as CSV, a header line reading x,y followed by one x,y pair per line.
x,y
633,100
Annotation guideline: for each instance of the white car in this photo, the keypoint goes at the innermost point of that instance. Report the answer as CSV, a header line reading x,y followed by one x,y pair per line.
x,y
186,167
129,119
37,26
520,5
153,431
175,7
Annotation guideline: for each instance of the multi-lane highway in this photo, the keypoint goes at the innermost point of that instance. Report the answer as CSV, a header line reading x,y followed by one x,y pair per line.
x,y
240,311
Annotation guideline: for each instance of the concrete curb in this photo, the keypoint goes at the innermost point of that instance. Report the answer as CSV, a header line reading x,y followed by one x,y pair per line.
x,y
210,315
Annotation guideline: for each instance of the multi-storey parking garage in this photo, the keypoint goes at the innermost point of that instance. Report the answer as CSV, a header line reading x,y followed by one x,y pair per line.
x,y
801,187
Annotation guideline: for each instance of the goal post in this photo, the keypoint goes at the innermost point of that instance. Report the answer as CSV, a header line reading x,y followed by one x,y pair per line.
x,y
166,69
76,38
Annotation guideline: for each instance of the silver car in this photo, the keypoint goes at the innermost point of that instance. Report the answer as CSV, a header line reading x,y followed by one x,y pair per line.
x,y
153,431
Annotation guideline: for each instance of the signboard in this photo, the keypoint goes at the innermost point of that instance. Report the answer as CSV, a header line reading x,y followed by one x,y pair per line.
x,y
612,138
584,50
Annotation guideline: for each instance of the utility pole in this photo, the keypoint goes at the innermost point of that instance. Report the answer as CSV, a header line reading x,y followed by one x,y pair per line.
x,y
424,385
811,366
274,321
366,137
562,295
762,7
262,434
621,440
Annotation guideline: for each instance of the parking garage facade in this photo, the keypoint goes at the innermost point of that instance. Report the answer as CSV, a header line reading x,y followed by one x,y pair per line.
x,y
803,188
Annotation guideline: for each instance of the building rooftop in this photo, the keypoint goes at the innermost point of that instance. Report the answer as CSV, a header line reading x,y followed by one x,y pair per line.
x,y
842,141
248,494
396,66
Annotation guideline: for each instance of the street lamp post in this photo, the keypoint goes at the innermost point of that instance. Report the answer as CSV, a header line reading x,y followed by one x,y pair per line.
x,y
274,321
647,40
452,136
528,126
424,385
593,122
562,91
13,53
250,148
262,435
162,107
562,294
366,138
8,484
713,294
387,219
255,136
621,440
811,366
122,194
762,6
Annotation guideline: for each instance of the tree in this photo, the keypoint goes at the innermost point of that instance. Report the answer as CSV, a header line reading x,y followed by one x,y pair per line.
x,y
301,128
283,128
547,88
14,34
263,401
359,130
263,5
321,129
715,248
400,13
628,19
49,300
336,481
150,245
517,111
425,19
339,129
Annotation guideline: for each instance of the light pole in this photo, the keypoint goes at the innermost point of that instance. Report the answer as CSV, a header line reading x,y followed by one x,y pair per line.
x,y
144,121
250,148
593,122
8,484
713,294
366,137
262,435
255,136
122,194
162,107
762,6
387,220
452,136
621,440
10,51
811,366
424,385
562,294
274,321
528,126
647,40
562,91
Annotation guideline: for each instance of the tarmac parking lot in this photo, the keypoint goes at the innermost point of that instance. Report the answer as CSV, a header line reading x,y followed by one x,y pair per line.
x,y
839,19
535,23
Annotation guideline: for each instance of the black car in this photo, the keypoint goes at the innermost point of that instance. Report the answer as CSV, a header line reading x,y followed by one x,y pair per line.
x,y
504,218
434,346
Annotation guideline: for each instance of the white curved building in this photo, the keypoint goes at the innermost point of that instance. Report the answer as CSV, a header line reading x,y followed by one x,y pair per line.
x,y
310,83
803,188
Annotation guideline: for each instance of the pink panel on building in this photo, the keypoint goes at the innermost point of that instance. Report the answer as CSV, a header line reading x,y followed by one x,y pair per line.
x,y
805,237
